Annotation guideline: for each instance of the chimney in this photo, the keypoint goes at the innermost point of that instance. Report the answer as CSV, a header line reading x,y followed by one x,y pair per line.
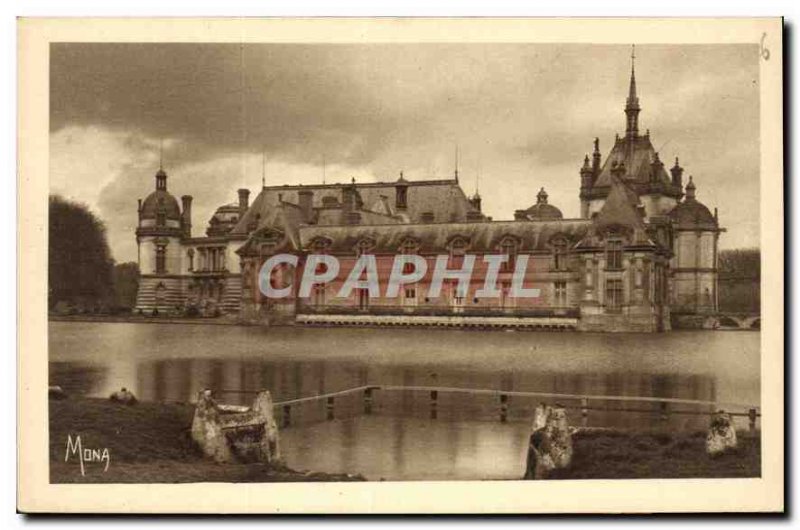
x,y
306,203
596,158
677,175
244,200
474,216
186,216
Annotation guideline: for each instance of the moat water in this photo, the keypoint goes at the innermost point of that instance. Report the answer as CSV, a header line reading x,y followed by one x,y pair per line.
x,y
399,440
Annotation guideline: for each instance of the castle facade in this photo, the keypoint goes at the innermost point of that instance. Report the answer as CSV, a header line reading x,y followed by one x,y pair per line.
x,y
642,253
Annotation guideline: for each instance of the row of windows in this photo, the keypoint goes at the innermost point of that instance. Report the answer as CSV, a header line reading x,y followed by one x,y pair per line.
x,y
508,247
409,295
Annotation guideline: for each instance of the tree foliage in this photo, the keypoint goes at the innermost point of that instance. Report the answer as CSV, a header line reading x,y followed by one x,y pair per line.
x,y
126,284
740,263
79,261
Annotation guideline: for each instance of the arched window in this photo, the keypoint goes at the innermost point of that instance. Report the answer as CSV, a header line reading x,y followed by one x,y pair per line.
x,y
190,257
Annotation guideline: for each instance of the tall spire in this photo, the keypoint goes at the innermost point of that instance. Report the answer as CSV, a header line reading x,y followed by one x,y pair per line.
x,y
632,104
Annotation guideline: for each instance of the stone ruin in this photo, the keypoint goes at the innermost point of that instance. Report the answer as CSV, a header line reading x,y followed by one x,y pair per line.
x,y
236,434
721,434
550,443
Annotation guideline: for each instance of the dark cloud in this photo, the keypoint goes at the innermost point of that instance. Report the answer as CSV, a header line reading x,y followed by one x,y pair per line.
x,y
525,113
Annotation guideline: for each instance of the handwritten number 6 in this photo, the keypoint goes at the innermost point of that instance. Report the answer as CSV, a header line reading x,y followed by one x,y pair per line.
x,y
764,50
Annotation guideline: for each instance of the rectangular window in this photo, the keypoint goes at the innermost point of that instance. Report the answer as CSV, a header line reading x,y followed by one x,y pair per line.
x,y
319,295
456,301
363,299
410,296
614,255
560,294
614,294
506,300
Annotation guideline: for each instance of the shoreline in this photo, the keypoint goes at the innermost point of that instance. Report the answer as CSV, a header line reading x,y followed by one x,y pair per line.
x,y
222,321
150,443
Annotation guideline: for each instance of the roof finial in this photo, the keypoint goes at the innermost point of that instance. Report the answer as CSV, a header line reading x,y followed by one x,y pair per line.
x,y
161,154
323,168
263,168
477,178
456,164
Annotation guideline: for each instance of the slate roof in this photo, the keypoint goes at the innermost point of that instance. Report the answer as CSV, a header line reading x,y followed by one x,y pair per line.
x,y
637,154
435,237
444,198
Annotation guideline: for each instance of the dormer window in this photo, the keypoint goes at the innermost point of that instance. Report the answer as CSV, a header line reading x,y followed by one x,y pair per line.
x,y
320,245
364,246
458,247
560,255
508,248
409,246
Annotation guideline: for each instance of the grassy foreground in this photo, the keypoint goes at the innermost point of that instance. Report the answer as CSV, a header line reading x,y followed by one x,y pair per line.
x,y
149,443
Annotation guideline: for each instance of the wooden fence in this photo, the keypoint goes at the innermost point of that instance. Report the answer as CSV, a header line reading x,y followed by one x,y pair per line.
x,y
583,402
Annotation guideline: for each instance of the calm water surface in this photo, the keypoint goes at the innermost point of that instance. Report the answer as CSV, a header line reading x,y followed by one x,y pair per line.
x,y
399,440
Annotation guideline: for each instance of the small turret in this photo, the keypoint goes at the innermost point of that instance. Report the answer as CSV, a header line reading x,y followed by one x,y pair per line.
x,y
587,175
541,197
690,190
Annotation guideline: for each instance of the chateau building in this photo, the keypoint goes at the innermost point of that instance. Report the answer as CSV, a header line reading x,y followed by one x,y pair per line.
x,y
641,256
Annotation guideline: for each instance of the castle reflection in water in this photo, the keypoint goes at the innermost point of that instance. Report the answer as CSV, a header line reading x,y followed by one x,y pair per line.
x,y
234,380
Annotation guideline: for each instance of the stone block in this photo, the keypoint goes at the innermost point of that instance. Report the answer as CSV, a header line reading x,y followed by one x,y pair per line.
x,y
243,436
721,434
550,443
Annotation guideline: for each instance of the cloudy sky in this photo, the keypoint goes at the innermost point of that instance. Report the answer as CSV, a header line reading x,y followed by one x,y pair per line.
x,y
523,117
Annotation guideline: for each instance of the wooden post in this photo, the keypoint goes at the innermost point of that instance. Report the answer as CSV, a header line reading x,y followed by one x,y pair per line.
x,y
287,415
751,415
368,401
664,411
329,408
584,412
503,407
434,398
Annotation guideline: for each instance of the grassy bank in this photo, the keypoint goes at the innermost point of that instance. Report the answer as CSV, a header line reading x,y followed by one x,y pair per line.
x,y
149,442
610,454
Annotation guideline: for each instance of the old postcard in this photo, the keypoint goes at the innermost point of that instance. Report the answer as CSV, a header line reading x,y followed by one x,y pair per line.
x,y
400,265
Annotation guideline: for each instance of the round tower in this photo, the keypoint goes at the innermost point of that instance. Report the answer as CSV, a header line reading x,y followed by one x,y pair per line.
x,y
158,236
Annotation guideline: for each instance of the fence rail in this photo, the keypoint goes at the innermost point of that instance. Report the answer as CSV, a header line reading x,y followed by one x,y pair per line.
x,y
750,411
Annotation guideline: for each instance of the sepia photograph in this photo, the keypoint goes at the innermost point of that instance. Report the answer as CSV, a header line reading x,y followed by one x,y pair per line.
x,y
406,261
